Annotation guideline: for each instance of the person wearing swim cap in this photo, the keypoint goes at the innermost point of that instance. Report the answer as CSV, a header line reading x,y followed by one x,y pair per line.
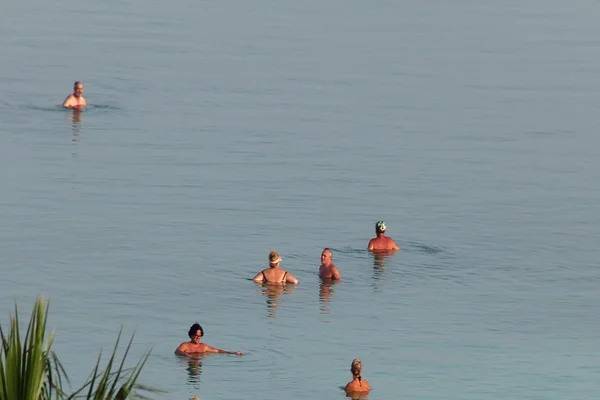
x,y
328,270
194,346
274,274
382,242
76,99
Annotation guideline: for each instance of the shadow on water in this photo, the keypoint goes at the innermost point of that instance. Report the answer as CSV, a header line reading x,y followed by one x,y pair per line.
x,y
272,292
326,289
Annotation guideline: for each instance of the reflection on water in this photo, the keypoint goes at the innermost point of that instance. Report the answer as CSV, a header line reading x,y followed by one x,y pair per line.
x,y
357,395
273,291
193,365
325,292
76,118
379,261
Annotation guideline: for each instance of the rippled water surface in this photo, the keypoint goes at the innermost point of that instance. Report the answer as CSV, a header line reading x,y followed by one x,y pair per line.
x,y
217,131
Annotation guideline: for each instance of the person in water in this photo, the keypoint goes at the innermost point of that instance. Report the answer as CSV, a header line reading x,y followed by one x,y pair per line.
x,y
382,242
274,274
194,346
358,384
328,270
76,99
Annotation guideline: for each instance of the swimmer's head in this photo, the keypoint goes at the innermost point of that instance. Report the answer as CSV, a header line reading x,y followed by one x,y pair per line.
x,y
380,227
194,329
326,255
356,367
274,258
78,88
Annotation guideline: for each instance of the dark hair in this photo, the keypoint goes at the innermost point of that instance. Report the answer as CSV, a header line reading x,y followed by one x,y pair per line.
x,y
76,83
194,328
356,369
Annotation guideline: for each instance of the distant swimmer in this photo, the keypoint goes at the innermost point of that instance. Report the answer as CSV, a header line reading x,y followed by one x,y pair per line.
x,y
194,346
274,274
382,242
358,384
76,99
328,270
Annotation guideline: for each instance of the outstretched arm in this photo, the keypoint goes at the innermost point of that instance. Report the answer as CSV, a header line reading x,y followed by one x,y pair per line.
x,y
210,349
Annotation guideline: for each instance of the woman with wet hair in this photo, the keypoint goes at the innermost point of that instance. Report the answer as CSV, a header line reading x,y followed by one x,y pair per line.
x,y
274,274
357,384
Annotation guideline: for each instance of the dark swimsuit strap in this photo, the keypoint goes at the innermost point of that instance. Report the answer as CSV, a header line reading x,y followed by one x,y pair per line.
x,y
266,280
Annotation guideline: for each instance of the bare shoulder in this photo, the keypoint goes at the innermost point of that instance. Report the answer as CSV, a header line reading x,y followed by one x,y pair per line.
x,y
183,346
357,387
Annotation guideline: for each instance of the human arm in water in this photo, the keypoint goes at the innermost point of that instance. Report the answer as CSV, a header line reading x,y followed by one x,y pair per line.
x,y
259,277
209,349
185,350
181,350
335,273
289,278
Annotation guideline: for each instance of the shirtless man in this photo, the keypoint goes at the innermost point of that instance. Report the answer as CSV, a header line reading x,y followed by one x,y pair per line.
x,y
382,242
76,99
194,346
328,270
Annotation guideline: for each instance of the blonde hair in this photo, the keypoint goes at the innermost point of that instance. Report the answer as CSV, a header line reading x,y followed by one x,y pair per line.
x,y
274,257
356,368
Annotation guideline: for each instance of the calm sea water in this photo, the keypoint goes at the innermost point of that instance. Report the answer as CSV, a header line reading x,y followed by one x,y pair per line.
x,y
218,131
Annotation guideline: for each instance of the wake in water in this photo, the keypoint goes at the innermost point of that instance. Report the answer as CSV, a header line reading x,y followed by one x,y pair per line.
x,y
412,247
88,108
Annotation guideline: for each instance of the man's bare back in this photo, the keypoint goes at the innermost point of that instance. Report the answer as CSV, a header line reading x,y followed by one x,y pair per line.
x,y
382,242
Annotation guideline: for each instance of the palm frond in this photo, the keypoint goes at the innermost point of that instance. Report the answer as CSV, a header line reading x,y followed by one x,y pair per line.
x,y
25,370
113,382
30,370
